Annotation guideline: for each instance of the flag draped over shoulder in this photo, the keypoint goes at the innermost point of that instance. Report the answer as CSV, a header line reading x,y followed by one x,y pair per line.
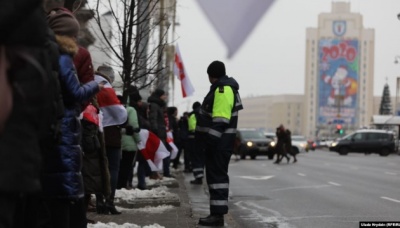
x,y
114,113
170,141
152,149
180,72
234,20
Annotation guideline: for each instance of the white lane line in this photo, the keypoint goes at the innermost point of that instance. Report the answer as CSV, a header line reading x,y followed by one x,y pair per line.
x,y
390,199
301,174
333,183
390,173
256,177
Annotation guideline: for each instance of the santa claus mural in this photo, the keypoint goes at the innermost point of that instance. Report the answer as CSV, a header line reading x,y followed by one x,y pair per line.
x,y
342,87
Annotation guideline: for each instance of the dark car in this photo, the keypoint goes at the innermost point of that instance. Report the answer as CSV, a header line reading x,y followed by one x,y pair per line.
x,y
252,142
366,141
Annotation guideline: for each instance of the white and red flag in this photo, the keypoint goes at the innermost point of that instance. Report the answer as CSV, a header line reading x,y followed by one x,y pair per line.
x,y
170,141
180,72
114,113
152,149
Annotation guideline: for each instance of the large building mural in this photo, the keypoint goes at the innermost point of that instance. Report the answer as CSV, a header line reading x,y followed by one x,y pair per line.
x,y
338,81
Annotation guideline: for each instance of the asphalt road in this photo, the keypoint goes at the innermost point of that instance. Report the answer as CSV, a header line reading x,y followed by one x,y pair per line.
x,y
321,190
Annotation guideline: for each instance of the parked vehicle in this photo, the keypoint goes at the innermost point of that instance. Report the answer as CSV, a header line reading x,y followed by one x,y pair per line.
x,y
366,141
253,143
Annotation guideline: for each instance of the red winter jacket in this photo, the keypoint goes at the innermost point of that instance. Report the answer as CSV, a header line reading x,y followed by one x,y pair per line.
x,y
84,66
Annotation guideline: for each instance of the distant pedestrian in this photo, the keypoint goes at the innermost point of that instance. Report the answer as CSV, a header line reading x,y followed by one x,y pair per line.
x,y
196,146
216,126
157,102
288,145
184,135
281,148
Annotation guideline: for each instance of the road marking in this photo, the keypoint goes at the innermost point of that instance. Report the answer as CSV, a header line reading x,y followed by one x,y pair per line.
x,y
390,173
390,199
301,174
354,168
333,183
256,177
301,187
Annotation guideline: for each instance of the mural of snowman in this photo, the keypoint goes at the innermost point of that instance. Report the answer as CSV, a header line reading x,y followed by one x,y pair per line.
x,y
342,85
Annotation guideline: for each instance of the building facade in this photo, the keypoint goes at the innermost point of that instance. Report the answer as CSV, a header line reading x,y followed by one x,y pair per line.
x,y
268,112
339,76
339,72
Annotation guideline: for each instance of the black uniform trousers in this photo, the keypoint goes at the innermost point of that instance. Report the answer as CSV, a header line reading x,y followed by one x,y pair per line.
x,y
198,157
216,163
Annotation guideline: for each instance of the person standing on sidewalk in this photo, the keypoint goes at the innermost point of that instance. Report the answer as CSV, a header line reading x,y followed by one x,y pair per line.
x,y
157,102
216,127
196,147
115,116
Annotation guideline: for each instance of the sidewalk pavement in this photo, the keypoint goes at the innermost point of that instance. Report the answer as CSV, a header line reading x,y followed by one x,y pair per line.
x,y
183,209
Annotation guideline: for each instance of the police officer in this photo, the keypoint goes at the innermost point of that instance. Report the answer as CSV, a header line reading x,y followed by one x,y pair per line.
x,y
196,146
216,127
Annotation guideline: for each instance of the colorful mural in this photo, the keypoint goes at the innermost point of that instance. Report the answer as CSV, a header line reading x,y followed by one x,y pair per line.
x,y
338,81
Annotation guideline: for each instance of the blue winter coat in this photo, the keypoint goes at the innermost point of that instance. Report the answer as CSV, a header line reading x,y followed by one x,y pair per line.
x,y
62,174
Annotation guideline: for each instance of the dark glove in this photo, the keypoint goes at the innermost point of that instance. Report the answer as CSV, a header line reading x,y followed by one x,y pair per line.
x,y
129,130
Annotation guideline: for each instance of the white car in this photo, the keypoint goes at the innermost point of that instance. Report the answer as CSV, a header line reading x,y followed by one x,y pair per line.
x,y
299,143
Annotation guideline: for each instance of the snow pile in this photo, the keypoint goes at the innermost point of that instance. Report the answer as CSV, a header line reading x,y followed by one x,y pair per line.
x,y
132,194
153,210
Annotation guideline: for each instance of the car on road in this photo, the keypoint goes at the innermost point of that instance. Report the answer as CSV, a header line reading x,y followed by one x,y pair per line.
x,y
252,142
299,143
366,141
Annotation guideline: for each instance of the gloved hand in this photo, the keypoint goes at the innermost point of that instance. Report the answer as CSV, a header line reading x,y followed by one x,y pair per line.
x,y
129,130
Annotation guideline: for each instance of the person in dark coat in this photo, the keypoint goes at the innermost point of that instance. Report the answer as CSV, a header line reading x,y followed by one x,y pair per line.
x,y
281,149
172,113
62,178
288,144
157,102
183,135
23,38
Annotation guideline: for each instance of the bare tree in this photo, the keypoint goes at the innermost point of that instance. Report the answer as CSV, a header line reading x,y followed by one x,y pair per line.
x,y
138,39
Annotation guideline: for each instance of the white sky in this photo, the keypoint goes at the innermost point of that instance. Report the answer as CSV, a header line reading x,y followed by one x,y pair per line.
x,y
272,59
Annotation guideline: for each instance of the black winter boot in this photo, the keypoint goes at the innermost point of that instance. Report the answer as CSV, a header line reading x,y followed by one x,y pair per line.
x,y
212,220
198,181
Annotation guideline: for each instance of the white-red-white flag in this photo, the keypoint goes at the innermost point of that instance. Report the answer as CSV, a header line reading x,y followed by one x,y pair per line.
x,y
170,141
180,72
114,113
234,20
152,149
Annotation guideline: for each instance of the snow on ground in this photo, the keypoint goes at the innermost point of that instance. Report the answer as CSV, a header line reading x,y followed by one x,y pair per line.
x,y
132,194
153,210
125,225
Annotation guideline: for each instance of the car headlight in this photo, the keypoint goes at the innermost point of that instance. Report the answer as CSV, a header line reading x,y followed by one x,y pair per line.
x,y
249,144
272,144
302,144
334,144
